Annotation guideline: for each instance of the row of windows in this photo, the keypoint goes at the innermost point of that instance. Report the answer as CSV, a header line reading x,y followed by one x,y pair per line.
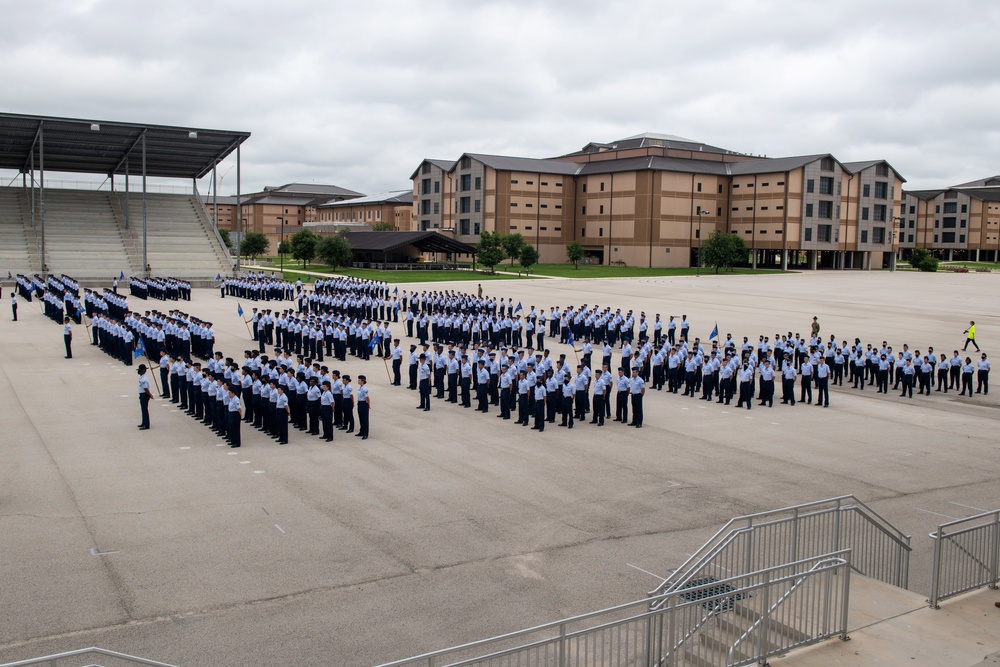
x,y
465,183
878,211
825,210
513,204
881,190
750,208
514,181
750,185
528,228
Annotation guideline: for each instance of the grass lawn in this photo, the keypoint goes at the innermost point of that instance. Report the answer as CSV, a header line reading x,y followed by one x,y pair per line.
x,y
973,265
396,277
598,271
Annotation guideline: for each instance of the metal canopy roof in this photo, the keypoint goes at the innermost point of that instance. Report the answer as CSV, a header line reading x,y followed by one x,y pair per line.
x,y
389,241
101,147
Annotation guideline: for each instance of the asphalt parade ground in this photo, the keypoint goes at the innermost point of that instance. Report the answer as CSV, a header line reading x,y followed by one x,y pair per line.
x,y
449,526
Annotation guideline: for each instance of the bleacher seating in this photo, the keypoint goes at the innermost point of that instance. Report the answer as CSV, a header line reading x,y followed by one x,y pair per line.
x,y
179,239
86,235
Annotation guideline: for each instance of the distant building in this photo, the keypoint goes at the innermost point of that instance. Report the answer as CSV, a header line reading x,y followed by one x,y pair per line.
x,y
650,200
393,208
961,222
276,211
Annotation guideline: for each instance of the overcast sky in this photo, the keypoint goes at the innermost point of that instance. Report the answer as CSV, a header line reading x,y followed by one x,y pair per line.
x,y
357,93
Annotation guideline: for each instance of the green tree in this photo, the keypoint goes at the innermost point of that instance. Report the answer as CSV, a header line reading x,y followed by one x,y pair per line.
x,y
304,246
334,251
489,250
254,245
283,248
512,245
923,260
224,235
528,257
723,251
574,251
383,226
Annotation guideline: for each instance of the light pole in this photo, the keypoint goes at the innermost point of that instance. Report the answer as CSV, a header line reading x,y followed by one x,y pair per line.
x,y
700,213
892,227
281,243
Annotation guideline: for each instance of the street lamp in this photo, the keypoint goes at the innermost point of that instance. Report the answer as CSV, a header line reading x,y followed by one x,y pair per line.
x,y
700,213
281,243
892,227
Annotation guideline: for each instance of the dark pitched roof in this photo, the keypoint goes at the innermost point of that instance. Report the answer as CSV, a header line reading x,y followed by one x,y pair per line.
x,y
855,167
655,163
924,194
316,190
988,182
388,241
651,140
543,165
773,165
394,197
444,165
101,147
985,194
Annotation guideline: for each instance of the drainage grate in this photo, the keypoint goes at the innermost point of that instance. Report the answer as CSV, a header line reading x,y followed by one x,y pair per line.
x,y
705,590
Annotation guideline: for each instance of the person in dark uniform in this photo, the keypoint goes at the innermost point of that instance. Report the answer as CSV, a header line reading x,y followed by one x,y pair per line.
x,y
235,416
364,408
348,404
144,396
281,412
326,411
68,337
637,389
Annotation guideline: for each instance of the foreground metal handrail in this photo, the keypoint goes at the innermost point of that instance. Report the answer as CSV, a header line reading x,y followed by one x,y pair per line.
x,y
632,634
966,558
52,659
799,518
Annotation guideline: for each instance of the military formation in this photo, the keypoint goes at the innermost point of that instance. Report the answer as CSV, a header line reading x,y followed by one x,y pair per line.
x,y
471,351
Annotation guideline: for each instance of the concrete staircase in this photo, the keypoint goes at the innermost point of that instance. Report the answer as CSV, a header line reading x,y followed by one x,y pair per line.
x,y
18,250
180,241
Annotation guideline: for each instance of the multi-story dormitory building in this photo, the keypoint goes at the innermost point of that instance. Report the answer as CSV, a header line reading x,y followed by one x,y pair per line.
x,y
957,223
650,199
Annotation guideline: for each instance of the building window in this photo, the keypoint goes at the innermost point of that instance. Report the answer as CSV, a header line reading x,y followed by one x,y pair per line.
x,y
780,208
425,225
809,234
736,185
911,224
809,210
466,162
465,182
600,231
736,208
781,182
699,187
720,188
476,206
425,186
824,233
513,204
913,209
864,212
825,209
475,228
881,190
528,205
529,182
543,206
879,212
558,205
602,186
584,187
513,181
437,208
425,207
425,168
810,185
937,208
882,169
543,229
947,237
750,185
965,208
464,226
584,211
763,208
527,228
961,238
910,239
827,164
764,185
437,187
544,183
948,223
951,207
962,224
826,185
864,236
601,211
878,235
866,190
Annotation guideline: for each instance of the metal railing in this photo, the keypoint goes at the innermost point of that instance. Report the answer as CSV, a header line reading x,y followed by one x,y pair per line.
x,y
722,623
64,659
767,539
966,556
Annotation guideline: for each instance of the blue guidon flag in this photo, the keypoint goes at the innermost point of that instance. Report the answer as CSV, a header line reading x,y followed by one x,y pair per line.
x,y
140,349
239,309
715,332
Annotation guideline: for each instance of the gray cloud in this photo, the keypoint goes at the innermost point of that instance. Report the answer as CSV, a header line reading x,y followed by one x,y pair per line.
x,y
358,93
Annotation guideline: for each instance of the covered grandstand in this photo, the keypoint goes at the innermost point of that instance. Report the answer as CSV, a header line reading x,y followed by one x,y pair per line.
x,y
120,227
